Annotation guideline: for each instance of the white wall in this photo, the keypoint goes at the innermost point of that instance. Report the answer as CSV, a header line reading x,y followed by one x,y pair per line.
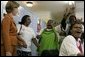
x,y
80,15
80,10
43,15
3,3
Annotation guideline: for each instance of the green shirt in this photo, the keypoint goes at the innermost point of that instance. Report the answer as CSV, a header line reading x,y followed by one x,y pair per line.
x,y
48,41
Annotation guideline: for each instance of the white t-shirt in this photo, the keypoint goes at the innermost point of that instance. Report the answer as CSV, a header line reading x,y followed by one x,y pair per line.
x,y
69,47
27,34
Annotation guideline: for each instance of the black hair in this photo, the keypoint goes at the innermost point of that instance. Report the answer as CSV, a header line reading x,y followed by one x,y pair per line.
x,y
71,20
63,23
50,21
24,18
75,22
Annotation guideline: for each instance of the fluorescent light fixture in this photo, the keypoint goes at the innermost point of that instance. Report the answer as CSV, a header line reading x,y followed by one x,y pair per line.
x,y
29,4
71,2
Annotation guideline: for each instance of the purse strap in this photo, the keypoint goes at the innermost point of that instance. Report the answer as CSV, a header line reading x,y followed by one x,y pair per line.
x,y
20,30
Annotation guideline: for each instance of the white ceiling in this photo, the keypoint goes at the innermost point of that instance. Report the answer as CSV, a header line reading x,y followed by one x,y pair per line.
x,y
55,7
80,10
80,6
47,5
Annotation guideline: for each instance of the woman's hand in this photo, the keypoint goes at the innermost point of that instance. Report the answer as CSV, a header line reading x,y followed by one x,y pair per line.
x,y
22,42
38,45
38,36
8,54
24,45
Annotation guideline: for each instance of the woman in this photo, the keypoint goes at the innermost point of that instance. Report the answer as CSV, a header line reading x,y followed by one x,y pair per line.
x,y
70,45
9,30
27,34
69,21
48,40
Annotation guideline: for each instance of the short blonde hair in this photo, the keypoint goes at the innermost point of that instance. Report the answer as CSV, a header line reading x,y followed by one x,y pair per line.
x,y
10,6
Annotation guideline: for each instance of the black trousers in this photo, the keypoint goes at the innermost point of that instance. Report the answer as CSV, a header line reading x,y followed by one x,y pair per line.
x,y
50,53
23,53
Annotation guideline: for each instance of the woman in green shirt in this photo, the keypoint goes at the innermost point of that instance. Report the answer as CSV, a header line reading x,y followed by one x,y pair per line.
x,y
48,41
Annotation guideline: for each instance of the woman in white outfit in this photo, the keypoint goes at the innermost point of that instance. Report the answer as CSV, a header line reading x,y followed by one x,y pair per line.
x,y
27,34
71,45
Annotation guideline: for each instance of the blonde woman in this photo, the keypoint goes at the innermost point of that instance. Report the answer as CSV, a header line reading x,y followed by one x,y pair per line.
x,y
9,30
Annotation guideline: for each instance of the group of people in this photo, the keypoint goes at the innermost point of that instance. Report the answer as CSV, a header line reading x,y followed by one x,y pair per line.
x,y
16,39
